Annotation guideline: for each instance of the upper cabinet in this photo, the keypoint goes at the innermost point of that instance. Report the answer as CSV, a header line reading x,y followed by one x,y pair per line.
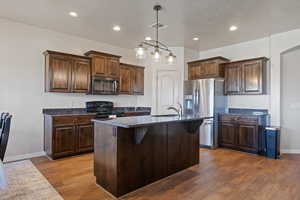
x,y
104,64
207,68
70,73
138,81
131,79
246,77
66,73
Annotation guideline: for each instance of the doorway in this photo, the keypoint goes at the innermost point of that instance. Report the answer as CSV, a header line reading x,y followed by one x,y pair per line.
x,y
167,90
290,100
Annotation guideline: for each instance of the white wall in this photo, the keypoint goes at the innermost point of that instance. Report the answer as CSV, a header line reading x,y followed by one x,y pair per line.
x,y
152,67
272,47
246,50
290,100
22,81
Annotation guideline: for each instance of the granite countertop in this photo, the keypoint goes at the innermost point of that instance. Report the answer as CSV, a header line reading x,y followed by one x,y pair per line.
x,y
82,111
242,111
138,121
66,111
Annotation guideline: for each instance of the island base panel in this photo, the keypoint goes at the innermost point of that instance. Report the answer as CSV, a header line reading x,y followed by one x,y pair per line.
x,y
122,166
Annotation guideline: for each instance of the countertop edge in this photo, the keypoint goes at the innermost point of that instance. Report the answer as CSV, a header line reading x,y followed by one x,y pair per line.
x,y
109,123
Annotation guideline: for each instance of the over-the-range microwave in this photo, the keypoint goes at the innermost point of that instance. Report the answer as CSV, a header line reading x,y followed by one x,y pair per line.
x,y
103,85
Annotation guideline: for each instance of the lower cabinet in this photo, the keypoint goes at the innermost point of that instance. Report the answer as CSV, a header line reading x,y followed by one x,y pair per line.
x,y
64,140
239,133
68,135
227,134
85,138
247,137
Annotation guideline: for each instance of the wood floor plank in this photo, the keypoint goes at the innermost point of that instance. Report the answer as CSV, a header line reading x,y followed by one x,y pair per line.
x,y
222,174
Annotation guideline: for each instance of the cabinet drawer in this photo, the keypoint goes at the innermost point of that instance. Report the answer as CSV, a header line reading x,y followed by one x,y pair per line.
x,y
64,120
85,119
239,119
247,120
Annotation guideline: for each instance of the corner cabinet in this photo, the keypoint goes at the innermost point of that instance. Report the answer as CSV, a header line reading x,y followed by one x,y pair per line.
x,y
68,135
246,77
131,79
66,73
240,132
207,68
104,64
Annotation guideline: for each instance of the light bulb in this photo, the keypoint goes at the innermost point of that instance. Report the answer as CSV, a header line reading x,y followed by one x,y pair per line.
x,y
156,55
171,58
140,52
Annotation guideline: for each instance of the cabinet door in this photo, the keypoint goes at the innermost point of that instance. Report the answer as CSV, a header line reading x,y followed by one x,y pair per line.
x,y
138,81
81,76
252,77
193,72
201,71
60,68
85,138
233,79
211,69
99,66
227,134
113,67
126,74
64,141
247,138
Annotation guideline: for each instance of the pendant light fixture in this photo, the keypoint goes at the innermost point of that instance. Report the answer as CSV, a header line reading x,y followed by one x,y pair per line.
x,y
158,47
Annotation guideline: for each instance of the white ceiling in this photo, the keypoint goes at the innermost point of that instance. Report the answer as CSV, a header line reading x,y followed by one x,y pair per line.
x,y
207,19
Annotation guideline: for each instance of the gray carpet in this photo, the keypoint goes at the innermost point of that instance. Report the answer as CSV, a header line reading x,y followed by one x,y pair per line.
x,y
25,182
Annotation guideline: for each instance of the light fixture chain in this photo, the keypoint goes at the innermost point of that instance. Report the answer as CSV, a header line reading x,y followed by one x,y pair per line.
x,y
156,27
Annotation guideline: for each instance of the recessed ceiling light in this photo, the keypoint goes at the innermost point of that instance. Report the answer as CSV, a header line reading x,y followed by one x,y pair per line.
x,y
116,28
73,14
196,38
148,38
233,28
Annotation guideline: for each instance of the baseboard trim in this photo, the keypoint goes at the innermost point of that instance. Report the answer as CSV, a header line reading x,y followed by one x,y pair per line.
x,y
290,151
24,156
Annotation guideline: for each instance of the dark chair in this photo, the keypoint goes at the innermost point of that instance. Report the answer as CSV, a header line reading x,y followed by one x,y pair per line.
x,y
4,135
2,117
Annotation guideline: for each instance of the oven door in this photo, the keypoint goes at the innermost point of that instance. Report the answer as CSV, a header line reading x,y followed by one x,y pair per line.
x,y
104,86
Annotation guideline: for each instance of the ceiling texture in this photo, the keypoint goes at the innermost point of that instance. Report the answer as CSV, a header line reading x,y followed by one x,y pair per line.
x,y
207,19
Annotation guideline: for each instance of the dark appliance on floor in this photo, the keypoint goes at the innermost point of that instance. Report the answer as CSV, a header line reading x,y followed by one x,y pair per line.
x,y
103,109
272,142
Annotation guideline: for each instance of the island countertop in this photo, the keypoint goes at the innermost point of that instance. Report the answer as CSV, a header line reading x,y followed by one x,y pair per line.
x,y
138,121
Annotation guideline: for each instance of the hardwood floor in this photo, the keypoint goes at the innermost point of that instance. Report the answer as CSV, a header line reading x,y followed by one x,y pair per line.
x,y
222,175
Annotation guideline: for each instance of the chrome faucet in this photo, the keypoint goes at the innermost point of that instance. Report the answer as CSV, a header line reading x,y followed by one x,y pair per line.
x,y
178,110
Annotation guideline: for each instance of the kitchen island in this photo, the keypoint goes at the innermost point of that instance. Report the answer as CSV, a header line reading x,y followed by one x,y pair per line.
x,y
131,152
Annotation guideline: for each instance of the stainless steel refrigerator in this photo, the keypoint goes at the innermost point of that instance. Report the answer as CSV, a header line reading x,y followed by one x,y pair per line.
x,y
206,97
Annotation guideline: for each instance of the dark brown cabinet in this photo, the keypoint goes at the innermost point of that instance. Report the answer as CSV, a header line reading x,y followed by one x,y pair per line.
x,y
239,132
85,137
246,77
227,134
233,75
64,140
81,76
126,76
104,64
70,73
99,66
131,79
138,81
66,73
68,135
207,68
247,138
